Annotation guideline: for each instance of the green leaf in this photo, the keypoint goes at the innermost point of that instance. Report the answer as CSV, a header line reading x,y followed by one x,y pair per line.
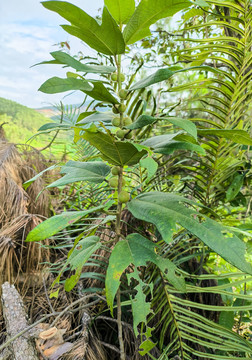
x,y
150,164
56,85
93,171
121,10
237,136
159,75
30,181
166,73
186,125
56,223
136,250
103,117
145,120
115,152
54,126
165,210
226,319
167,149
146,346
140,307
72,281
64,58
202,3
83,250
147,13
166,144
142,121
158,141
100,92
234,187
105,38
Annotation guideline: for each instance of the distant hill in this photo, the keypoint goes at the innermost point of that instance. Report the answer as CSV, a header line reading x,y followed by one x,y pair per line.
x,y
22,122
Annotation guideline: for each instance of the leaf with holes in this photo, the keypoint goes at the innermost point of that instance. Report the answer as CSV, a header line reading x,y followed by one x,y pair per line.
x,y
136,250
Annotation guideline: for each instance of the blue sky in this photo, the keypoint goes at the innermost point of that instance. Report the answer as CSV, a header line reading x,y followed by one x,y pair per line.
x,y
28,33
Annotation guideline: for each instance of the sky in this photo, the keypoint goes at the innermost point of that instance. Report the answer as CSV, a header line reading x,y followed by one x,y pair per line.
x,y
28,33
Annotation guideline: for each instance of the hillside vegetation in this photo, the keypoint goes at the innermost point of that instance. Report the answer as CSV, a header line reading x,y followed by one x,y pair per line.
x,y
23,122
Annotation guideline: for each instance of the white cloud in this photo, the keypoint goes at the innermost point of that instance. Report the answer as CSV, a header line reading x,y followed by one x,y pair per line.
x,y
28,33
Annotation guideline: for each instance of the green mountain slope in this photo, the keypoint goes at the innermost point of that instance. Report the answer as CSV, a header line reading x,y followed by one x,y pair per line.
x,y
22,122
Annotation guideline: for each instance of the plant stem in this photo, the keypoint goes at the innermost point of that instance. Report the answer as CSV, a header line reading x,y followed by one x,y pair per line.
x,y
118,221
119,322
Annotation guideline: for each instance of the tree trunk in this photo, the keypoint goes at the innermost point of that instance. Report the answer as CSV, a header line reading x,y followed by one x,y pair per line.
x,y
16,321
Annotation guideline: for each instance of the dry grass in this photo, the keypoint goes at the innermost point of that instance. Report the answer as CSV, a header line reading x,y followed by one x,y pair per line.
x,y
19,213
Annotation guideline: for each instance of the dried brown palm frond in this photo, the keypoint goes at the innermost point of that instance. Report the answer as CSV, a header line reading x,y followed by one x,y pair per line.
x,y
19,259
20,211
13,199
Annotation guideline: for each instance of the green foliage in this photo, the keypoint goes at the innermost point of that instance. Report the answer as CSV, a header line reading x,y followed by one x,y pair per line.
x,y
105,38
65,59
115,152
22,122
57,85
161,260
93,171
121,10
56,223
137,250
146,14
165,210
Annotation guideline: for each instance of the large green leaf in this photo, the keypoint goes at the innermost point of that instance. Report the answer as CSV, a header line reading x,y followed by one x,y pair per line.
x,y
160,140
115,152
165,210
121,10
105,38
145,120
147,13
56,85
64,58
166,144
237,136
100,92
57,223
173,145
93,171
158,76
184,124
141,121
166,73
136,250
